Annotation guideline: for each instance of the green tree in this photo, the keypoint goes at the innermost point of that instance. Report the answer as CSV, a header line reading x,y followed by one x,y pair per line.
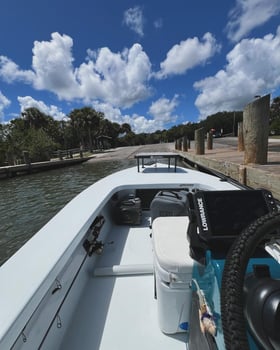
x,y
125,128
39,145
21,136
34,118
3,144
86,125
275,109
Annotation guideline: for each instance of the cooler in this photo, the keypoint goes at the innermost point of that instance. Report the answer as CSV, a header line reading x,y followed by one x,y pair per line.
x,y
169,203
173,273
129,211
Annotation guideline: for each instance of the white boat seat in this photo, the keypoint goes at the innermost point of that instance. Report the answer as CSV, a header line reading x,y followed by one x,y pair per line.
x,y
173,272
171,248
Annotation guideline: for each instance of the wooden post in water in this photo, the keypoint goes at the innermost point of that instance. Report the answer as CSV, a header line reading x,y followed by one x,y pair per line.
x,y
199,141
185,143
255,130
210,140
240,137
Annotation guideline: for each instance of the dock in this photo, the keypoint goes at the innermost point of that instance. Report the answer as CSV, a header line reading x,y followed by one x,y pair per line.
x,y
227,160
23,169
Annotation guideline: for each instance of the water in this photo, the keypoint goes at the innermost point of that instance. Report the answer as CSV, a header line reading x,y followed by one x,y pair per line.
x,y
28,202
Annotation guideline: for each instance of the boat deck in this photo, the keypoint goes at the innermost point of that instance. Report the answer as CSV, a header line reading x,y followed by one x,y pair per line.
x,y
120,312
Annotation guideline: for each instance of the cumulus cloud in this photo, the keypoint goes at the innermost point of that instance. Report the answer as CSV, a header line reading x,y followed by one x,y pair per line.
x,y
118,78
141,124
252,69
163,110
188,54
133,18
249,14
10,72
4,103
53,66
138,123
29,102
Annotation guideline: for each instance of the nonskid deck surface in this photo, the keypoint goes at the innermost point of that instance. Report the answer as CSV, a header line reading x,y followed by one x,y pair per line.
x,y
120,312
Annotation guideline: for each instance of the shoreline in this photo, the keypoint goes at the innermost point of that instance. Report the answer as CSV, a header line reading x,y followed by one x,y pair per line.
x,y
223,158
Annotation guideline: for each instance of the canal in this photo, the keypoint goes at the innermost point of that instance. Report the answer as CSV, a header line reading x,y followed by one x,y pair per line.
x,y
28,202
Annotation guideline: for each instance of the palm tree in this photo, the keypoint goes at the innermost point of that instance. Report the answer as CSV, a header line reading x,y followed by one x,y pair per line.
x,y
86,123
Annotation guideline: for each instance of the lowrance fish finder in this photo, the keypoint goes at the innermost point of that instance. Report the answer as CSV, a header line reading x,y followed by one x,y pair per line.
x,y
226,213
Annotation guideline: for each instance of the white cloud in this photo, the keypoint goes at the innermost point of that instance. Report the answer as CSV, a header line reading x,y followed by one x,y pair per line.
x,y
188,54
111,113
9,72
138,123
252,69
53,66
249,14
116,78
133,18
163,110
120,79
4,103
29,102
143,125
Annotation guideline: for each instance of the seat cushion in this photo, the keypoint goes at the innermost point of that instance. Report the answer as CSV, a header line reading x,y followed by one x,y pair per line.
x,y
170,244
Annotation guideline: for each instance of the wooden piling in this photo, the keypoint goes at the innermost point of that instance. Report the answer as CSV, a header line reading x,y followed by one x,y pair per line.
x,y
210,140
180,144
255,130
199,136
185,144
240,137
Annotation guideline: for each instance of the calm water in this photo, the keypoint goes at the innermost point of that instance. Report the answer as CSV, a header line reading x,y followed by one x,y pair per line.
x,y
28,202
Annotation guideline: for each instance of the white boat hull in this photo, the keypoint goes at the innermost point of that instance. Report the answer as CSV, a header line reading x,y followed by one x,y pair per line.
x,y
55,296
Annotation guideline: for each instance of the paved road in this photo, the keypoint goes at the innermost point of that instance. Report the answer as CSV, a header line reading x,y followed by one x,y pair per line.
x,y
130,151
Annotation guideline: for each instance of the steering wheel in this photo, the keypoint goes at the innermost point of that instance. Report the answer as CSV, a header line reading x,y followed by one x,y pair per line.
x,y
232,308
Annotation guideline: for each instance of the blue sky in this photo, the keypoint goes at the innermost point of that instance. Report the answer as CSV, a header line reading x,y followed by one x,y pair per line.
x,y
152,64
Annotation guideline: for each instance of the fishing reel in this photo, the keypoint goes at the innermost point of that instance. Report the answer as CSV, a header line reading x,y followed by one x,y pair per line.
x,y
94,245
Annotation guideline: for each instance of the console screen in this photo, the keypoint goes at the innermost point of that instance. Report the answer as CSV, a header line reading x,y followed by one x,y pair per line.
x,y
227,213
